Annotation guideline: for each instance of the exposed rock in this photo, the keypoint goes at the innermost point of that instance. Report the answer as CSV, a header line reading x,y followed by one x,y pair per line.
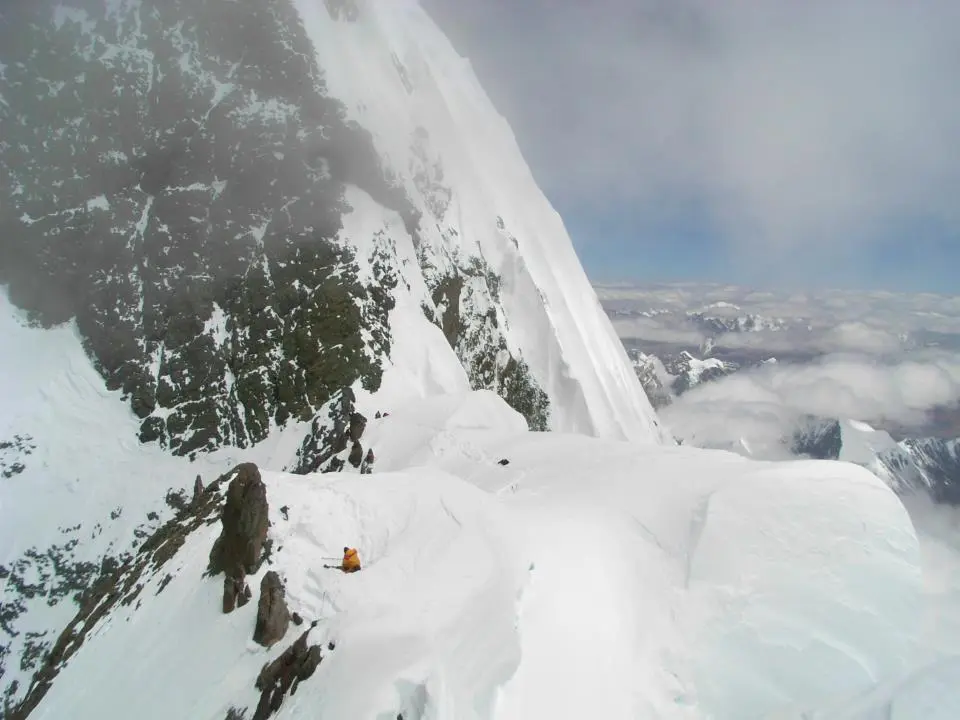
x,y
273,617
358,423
356,455
245,520
366,467
239,548
297,663
504,461
119,584
330,434
297,620
197,490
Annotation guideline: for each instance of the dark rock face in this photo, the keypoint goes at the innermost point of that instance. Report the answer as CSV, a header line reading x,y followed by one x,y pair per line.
x,y
273,617
356,455
818,438
119,584
238,550
236,592
331,433
296,664
179,192
358,423
481,346
930,465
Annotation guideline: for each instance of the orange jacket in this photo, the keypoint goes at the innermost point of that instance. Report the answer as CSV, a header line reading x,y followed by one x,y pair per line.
x,y
351,560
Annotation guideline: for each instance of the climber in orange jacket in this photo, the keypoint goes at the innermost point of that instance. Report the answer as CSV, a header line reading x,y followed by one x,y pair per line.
x,y
350,562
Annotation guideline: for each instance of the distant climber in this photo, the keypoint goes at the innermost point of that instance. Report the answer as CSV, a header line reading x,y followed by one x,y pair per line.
x,y
350,563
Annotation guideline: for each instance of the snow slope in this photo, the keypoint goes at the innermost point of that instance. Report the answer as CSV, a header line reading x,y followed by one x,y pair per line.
x,y
71,447
436,128
586,578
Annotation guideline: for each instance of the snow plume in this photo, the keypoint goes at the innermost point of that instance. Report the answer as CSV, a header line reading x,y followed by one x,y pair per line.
x,y
763,403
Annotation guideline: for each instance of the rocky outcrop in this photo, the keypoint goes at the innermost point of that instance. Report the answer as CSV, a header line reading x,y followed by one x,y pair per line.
x,y
366,467
273,616
356,455
358,423
239,549
297,663
335,429
817,438
121,584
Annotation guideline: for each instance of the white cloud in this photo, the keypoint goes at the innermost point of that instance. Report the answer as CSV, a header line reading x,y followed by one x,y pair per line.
x,y
859,337
655,330
823,322
803,126
838,386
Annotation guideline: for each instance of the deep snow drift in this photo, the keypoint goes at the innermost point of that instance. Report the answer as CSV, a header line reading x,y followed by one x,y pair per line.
x,y
586,578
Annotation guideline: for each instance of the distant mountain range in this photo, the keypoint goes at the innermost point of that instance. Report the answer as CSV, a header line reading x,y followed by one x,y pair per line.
x,y
929,465
670,375
907,464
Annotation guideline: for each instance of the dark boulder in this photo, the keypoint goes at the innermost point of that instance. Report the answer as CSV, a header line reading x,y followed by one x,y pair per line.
x,y
236,593
358,423
356,455
366,467
330,434
197,490
297,663
273,617
239,549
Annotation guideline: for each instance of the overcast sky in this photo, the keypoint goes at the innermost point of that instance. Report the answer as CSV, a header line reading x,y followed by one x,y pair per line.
x,y
752,141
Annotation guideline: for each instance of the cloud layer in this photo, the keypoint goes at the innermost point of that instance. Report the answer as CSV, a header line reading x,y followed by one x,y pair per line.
x,y
807,128
844,387
883,358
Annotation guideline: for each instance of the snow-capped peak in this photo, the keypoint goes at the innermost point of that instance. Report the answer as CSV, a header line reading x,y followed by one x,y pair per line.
x,y
401,79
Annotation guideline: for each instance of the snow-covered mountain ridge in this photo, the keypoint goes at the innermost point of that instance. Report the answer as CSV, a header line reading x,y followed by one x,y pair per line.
x,y
294,234
929,465
206,191
561,584
236,231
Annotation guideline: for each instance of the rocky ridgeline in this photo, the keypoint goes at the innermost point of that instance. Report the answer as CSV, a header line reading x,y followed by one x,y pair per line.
x,y
189,220
334,439
122,586
241,549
